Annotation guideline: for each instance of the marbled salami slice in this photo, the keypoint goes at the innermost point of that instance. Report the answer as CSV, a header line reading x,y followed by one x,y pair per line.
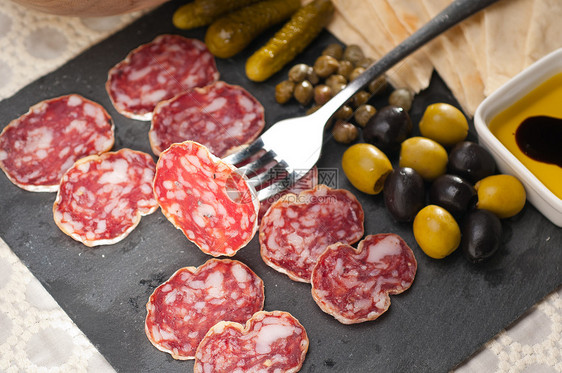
x,y
206,198
102,198
184,308
157,71
220,116
269,342
353,285
297,228
37,148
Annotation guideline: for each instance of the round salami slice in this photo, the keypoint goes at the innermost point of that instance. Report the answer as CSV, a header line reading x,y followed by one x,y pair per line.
x,y
206,198
297,228
269,342
184,308
157,71
37,148
102,198
353,285
220,116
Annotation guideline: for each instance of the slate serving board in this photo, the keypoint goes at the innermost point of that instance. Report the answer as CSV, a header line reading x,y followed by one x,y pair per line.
x,y
452,308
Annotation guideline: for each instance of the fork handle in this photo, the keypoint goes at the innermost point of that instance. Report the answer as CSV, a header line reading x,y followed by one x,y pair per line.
x,y
450,16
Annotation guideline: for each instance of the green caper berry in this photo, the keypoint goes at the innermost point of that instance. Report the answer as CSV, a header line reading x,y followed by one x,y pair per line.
x,y
284,91
364,113
299,72
303,92
401,97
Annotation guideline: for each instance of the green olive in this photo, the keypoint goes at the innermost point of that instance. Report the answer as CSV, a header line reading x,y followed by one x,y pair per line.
x,y
401,97
322,93
425,156
436,231
503,195
444,123
364,113
299,72
344,132
366,167
325,66
353,53
345,69
304,92
284,91
333,50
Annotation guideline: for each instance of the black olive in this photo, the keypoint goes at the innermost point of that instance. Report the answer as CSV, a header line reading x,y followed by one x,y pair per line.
x,y
471,161
388,128
404,193
453,193
481,235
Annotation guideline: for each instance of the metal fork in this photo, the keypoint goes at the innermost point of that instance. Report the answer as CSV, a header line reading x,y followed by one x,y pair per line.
x,y
295,144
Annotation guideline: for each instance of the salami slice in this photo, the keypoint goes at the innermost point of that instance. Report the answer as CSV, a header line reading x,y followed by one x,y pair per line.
x,y
37,148
297,228
184,308
353,285
269,342
157,71
220,116
206,198
102,198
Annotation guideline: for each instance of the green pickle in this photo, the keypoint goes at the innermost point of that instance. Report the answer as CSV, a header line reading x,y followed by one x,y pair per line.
x,y
231,33
203,12
303,27
216,8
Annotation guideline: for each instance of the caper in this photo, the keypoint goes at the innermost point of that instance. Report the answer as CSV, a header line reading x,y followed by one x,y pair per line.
x,y
335,79
284,91
365,62
345,68
356,72
322,93
325,66
344,113
364,113
312,109
312,77
304,92
299,72
360,98
334,50
344,132
378,85
337,87
401,97
353,53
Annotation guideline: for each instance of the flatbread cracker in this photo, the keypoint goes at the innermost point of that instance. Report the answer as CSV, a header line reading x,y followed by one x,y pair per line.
x,y
473,29
545,30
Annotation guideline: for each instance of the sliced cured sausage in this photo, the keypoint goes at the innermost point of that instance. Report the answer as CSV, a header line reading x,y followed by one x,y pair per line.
x,y
102,198
269,342
297,228
308,181
37,148
185,307
206,198
157,71
353,285
220,116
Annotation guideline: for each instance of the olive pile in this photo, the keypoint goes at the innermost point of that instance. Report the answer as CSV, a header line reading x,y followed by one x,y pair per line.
x,y
443,184
315,85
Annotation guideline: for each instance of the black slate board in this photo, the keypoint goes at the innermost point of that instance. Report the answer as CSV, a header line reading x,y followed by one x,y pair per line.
x,y
450,311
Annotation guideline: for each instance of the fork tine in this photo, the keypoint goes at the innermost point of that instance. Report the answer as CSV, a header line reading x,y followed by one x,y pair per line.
x,y
267,175
244,153
251,168
279,186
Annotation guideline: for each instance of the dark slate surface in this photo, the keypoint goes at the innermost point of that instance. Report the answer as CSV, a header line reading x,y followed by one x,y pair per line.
x,y
452,308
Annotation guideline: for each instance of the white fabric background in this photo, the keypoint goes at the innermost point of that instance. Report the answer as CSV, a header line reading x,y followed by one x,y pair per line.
x,y
36,335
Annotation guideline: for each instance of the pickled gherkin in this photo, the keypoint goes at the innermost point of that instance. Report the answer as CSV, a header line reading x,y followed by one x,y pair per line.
x,y
202,12
216,8
303,27
231,33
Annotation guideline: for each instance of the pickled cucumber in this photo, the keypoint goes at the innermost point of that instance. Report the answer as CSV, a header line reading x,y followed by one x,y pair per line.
x,y
294,36
231,33
187,17
216,8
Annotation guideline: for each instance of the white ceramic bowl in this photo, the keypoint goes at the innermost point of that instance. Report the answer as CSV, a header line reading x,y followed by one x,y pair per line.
x,y
537,193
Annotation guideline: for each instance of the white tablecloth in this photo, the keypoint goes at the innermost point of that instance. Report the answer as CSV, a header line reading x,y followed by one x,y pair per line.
x,y
36,335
